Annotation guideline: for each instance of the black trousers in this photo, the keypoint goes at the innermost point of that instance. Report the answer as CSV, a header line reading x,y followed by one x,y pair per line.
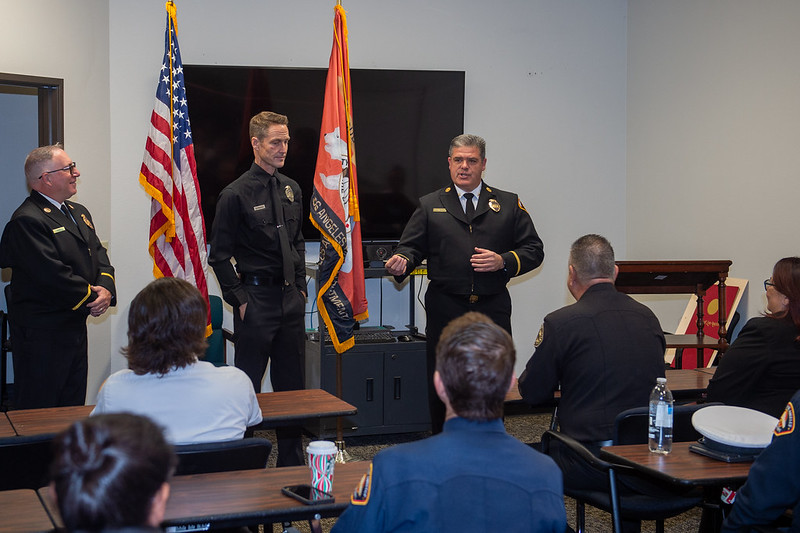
x,y
273,331
50,366
442,307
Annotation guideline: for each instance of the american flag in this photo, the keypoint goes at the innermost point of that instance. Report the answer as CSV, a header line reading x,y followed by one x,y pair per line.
x,y
169,175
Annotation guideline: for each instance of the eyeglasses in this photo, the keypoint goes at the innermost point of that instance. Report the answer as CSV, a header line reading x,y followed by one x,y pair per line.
x,y
768,283
69,168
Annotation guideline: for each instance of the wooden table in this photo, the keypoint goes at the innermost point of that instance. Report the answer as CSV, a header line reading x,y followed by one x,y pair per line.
x,y
683,383
684,468
23,511
277,408
280,408
680,466
6,429
247,497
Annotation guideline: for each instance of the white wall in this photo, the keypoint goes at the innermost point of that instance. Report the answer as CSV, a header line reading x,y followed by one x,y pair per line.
x,y
713,134
546,86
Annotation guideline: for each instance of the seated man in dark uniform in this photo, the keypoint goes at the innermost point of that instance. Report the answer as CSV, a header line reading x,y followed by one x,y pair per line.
x,y
473,476
605,351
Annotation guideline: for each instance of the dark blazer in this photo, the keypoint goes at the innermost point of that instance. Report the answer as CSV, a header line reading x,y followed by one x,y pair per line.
x,y
54,263
761,369
438,230
605,351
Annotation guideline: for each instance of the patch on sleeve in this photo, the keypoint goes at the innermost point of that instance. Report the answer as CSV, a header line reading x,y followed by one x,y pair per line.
x,y
361,494
786,421
519,203
539,337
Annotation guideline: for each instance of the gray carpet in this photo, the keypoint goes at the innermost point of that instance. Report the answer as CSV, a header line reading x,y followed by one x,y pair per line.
x,y
526,427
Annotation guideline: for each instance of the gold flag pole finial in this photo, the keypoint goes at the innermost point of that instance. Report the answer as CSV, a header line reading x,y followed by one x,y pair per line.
x,y
172,11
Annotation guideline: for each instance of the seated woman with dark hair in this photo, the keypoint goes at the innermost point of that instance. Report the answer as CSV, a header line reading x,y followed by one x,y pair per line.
x,y
111,472
761,369
193,400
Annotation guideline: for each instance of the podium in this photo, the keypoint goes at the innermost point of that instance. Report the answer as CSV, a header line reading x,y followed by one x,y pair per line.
x,y
680,277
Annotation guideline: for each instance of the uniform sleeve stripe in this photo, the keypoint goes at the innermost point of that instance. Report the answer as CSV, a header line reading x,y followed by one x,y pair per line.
x,y
88,293
109,275
519,263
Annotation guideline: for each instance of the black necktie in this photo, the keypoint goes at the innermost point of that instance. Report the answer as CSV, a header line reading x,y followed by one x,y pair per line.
x,y
65,210
470,207
283,237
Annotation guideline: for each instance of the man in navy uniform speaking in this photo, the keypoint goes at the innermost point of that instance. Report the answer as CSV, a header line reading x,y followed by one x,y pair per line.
x,y
60,274
475,238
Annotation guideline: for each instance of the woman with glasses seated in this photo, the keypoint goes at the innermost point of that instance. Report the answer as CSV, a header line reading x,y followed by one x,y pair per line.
x,y
761,369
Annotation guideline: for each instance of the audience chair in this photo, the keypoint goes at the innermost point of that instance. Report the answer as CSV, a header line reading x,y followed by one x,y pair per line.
x,y
243,454
5,349
216,352
621,504
25,461
630,427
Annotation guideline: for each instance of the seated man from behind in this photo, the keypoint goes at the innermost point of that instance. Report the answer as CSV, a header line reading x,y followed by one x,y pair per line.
x,y
605,351
193,400
112,472
473,476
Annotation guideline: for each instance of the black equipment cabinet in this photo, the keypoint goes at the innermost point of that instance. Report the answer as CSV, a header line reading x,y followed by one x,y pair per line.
x,y
386,381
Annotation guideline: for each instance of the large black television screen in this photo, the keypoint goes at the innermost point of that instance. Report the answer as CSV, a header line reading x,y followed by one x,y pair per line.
x,y
404,121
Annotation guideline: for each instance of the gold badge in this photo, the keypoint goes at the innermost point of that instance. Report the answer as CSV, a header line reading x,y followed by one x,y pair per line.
x,y
289,193
539,337
494,205
47,210
447,189
86,221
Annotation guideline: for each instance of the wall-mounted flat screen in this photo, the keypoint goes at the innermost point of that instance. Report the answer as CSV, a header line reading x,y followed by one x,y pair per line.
x,y
404,121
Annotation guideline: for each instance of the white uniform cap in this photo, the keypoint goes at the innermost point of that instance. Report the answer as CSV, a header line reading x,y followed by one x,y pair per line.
x,y
735,426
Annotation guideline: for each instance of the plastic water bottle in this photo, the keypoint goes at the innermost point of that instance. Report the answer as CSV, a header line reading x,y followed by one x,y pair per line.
x,y
660,424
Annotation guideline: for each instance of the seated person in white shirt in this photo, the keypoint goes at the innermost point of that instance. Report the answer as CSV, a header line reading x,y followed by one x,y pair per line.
x,y
193,400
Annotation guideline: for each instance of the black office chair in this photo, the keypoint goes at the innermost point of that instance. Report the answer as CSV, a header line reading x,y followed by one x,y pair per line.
x,y
625,505
242,454
630,427
25,461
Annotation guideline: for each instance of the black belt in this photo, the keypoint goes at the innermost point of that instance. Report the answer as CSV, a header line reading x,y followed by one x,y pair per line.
x,y
259,279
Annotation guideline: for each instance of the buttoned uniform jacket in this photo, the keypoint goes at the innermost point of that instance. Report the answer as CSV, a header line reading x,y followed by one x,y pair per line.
x,y
605,351
773,483
438,230
472,477
54,263
761,369
244,229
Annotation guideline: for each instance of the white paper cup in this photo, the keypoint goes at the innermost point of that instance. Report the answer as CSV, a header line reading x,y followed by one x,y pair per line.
x,y
321,458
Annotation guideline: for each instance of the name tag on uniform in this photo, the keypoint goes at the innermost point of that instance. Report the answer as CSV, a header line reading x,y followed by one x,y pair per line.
x,y
259,207
439,210
59,230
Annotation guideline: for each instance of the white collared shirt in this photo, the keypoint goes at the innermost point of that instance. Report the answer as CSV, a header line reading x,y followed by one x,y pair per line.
x,y
475,194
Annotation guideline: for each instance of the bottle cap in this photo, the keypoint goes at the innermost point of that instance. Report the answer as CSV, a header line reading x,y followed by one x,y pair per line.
x,y
661,380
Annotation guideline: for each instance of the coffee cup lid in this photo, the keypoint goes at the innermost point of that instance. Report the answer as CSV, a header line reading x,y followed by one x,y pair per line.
x,y
321,447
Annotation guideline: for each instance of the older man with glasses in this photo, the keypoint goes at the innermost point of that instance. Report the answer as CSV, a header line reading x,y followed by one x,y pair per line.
x,y
60,274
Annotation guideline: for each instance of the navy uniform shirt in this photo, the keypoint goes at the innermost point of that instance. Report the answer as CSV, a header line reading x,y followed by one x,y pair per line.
x,y
472,477
773,484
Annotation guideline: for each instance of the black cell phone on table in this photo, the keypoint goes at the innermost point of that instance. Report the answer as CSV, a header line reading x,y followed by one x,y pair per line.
x,y
307,494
